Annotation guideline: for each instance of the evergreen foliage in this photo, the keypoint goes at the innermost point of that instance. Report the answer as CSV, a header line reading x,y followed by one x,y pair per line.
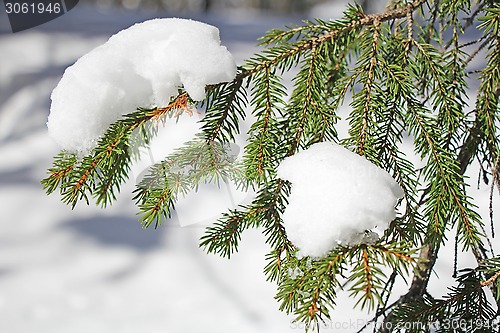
x,y
405,74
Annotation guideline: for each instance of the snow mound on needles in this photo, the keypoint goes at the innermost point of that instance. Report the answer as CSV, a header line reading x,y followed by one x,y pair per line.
x,y
337,197
141,66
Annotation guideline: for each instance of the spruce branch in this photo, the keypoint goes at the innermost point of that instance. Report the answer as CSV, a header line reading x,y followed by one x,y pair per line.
x,y
198,161
368,88
103,171
264,148
224,108
429,254
465,304
351,23
265,211
308,288
491,279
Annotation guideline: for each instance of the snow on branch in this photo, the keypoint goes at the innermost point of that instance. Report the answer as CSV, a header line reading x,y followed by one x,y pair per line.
x,y
336,196
142,66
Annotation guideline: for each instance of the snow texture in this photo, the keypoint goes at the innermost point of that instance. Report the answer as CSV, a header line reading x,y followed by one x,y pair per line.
x,y
336,196
141,66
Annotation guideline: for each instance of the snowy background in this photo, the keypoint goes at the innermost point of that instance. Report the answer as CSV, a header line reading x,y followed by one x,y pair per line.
x,y
98,271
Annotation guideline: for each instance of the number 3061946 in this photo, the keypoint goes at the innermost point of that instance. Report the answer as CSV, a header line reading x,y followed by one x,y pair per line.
x,y
32,8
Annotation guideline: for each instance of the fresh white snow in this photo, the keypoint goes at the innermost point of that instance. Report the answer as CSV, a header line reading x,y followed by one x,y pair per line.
x,y
141,66
336,196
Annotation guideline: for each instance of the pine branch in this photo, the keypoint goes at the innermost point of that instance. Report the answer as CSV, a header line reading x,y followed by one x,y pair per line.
x,y
429,253
278,55
103,171
225,107
223,237
466,304
308,287
265,145
490,280
198,161
265,211
368,88
368,277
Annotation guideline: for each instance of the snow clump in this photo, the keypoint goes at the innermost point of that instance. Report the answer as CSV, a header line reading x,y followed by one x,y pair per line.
x,y
141,66
336,196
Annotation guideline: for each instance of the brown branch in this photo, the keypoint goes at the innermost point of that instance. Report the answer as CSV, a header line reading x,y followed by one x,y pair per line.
x,y
394,253
368,273
61,173
364,20
179,103
418,288
307,103
429,251
491,279
368,87
267,117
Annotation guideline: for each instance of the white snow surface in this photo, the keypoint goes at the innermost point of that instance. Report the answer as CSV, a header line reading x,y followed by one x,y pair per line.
x,y
336,196
141,66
